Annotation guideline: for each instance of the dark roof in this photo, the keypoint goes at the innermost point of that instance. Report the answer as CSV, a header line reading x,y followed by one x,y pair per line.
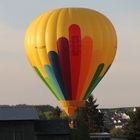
x,y
18,113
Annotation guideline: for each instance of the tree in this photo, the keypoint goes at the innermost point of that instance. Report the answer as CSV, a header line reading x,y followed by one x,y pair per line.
x,y
94,117
56,112
49,115
63,115
43,110
133,127
88,119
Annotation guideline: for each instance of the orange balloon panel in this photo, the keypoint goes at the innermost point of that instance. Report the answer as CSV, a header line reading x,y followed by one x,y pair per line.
x,y
71,50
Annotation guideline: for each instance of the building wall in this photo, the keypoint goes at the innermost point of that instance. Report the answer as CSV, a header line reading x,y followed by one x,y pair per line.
x,y
17,130
52,130
53,137
34,130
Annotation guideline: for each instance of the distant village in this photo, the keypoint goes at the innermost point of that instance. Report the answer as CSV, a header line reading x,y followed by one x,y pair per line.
x,y
117,117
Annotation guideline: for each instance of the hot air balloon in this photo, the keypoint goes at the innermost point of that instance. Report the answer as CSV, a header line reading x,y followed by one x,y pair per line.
x,y
71,49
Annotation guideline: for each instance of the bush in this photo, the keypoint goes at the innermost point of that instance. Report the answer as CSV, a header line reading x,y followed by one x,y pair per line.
x,y
117,132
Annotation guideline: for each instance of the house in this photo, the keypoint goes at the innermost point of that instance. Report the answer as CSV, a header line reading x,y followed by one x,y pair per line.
x,y
23,123
17,123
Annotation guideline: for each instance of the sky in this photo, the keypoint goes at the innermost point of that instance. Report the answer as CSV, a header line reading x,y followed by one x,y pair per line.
x,y
19,84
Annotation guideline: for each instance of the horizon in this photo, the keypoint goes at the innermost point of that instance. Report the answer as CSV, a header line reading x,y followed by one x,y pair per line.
x,y
63,109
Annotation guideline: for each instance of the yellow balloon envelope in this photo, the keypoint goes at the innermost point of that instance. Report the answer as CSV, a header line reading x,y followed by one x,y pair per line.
x,y
71,49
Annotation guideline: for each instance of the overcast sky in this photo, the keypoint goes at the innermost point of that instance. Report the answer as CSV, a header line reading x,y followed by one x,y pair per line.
x,y
19,84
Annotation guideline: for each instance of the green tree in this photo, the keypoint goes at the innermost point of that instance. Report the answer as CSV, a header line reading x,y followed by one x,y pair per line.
x,y
94,117
64,116
56,112
48,112
43,109
88,120
49,115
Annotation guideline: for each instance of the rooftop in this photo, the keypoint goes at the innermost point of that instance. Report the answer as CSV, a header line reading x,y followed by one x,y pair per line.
x,y
18,113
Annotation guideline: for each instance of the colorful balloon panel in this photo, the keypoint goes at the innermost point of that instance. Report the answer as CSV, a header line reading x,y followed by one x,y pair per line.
x,y
71,49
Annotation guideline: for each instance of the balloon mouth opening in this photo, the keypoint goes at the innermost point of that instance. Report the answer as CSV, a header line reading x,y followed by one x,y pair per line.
x,y
70,106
